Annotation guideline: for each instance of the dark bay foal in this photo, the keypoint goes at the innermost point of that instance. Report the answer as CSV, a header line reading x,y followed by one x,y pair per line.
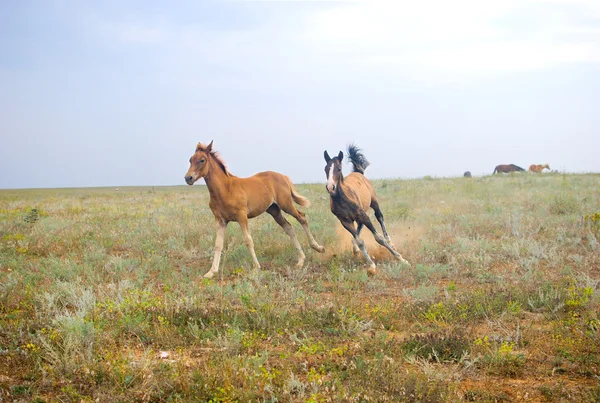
x,y
351,197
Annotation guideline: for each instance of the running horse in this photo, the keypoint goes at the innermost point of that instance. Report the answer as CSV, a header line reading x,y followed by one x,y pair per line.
x,y
351,197
538,168
239,199
507,169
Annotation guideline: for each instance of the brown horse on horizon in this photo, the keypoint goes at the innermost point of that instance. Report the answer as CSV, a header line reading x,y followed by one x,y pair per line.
x,y
507,168
351,197
538,168
239,199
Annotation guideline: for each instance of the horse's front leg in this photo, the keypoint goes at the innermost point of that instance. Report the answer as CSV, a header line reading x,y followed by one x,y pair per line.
x,y
355,248
364,218
349,225
221,225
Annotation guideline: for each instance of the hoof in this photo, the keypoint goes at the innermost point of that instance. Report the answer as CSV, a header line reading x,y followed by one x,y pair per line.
x,y
371,271
210,274
319,249
300,264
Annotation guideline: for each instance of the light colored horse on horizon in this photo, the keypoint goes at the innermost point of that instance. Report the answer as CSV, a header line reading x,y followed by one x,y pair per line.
x,y
239,199
538,168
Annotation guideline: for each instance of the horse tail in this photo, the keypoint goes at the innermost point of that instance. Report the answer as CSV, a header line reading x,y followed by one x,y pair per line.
x,y
300,200
296,197
495,170
357,158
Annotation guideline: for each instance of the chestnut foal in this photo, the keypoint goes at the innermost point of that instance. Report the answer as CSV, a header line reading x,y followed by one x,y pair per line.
x,y
238,199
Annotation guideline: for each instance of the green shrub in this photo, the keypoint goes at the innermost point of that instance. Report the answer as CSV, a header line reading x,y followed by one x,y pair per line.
x,y
563,204
440,346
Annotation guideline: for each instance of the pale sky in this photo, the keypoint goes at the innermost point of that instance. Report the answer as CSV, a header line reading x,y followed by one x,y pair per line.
x,y
119,93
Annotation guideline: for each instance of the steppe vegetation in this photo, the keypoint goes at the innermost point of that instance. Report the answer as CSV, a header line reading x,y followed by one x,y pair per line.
x,y
102,297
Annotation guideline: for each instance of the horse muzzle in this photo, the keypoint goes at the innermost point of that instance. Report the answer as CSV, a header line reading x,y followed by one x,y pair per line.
x,y
189,179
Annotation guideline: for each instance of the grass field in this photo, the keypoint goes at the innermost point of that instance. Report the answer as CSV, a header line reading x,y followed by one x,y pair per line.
x,y
102,297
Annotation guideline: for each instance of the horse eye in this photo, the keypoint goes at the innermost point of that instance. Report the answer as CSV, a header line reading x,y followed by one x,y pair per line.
x,y
202,161
190,160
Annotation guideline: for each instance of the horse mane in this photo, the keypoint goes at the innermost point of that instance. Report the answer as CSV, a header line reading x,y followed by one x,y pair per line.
x,y
216,156
357,158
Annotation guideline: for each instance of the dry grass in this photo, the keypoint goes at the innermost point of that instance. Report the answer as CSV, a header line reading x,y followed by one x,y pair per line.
x,y
102,299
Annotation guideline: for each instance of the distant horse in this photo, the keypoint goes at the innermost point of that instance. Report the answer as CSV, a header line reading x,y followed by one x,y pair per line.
x,y
351,196
507,168
467,174
238,199
538,168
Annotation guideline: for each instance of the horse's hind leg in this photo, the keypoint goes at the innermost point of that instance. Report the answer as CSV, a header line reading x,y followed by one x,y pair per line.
x,y
301,217
364,218
349,225
275,211
379,216
242,219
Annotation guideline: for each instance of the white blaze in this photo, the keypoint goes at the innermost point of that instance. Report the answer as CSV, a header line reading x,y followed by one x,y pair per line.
x,y
330,182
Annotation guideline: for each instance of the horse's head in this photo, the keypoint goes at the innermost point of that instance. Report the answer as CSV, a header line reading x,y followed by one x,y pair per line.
x,y
333,171
198,163
547,166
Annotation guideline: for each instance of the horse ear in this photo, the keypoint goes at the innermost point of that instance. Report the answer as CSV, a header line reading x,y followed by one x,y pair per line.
x,y
209,147
199,146
327,157
340,156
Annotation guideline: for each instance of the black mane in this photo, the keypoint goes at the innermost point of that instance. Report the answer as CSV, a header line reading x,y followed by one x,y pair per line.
x,y
357,158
